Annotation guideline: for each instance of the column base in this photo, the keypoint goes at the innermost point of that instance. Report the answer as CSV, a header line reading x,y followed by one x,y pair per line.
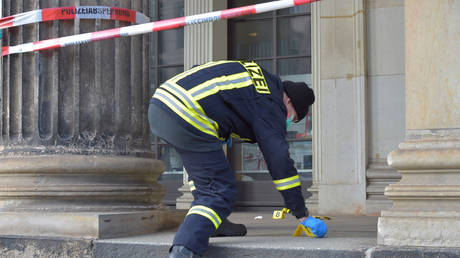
x,y
379,175
185,200
426,210
87,225
312,202
79,183
419,229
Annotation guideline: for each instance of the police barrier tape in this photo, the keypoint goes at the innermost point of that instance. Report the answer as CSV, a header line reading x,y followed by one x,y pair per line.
x,y
152,26
73,12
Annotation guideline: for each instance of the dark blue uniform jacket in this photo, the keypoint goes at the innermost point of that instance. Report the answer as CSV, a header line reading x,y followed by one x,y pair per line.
x,y
252,111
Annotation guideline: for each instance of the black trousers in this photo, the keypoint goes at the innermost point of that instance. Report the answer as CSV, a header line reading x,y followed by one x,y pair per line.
x,y
214,196
213,179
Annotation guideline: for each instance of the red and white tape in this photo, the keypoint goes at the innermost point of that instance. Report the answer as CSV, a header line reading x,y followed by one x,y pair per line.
x,y
73,12
152,26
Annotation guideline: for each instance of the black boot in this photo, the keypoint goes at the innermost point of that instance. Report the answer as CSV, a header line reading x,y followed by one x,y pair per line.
x,y
227,228
179,251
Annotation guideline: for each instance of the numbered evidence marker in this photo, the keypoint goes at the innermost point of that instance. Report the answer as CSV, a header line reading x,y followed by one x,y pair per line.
x,y
301,228
279,214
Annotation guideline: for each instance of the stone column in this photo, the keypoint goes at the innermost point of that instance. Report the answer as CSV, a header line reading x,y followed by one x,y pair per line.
x,y
203,43
385,96
339,134
75,157
426,209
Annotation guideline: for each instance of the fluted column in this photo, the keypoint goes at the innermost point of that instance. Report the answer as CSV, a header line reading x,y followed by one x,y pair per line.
x,y
426,209
75,155
202,43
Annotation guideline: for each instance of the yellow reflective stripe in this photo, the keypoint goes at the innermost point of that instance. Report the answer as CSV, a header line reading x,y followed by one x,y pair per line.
x,y
191,184
206,212
196,69
225,85
214,85
234,135
287,183
183,95
281,188
182,111
191,104
284,180
257,76
244,82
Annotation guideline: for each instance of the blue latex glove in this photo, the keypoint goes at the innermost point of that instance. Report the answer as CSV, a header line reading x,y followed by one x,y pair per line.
x,y
316,226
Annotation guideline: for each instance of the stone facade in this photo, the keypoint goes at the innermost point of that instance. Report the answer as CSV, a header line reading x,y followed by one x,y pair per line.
x,y
426,209
339,133
74,135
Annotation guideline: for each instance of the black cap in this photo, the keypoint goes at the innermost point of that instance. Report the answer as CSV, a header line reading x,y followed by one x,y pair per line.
x,y
302,97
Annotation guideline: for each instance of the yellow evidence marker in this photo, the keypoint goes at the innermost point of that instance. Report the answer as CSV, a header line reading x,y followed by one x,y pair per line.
x,y
322,217
279,214
300,228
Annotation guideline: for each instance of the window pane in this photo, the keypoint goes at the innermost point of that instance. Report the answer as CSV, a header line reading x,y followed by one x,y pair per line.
x,y
254,162
294,36
267,65
239,3
171,46
306,8
252,39
295,69
302,155
253,159
167,73
300,130
171,9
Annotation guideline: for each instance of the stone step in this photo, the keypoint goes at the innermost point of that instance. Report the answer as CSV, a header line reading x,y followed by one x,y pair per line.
x,y
347,237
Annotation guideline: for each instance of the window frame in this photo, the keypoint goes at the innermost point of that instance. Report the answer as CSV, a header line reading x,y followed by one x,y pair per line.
x,y
275,17
155,67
